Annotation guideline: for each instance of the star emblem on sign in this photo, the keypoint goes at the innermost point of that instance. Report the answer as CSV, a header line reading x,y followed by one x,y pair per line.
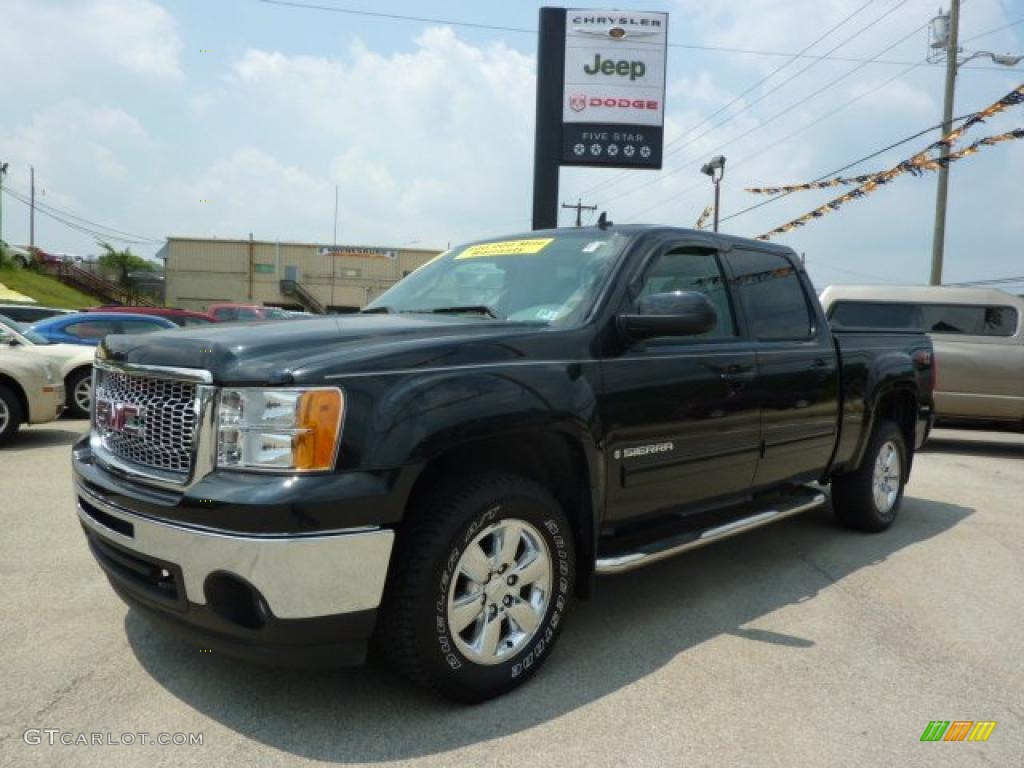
x,y
629,151
595,149
613,149
645,151
579,149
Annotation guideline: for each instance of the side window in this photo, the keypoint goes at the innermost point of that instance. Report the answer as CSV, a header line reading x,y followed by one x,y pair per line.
x,y
139,326
226,313
90,329
999,321
875,314
774,300
971,320
684,270
245,313
949,318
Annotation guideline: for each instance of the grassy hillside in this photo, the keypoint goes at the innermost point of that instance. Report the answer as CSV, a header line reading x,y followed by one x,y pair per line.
x,y
48,291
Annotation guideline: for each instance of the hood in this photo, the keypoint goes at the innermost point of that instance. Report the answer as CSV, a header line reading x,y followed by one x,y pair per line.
x,y
304,350
62,354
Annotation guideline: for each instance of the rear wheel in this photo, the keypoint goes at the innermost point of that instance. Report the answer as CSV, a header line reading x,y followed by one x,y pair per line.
x,y
869,498
11,414
78,387
481,581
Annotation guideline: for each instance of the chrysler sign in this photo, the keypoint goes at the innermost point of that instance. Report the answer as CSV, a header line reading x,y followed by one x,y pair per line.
x,y
613,107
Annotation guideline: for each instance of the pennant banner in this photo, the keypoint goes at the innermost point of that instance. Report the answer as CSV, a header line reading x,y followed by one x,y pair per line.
x,y
915,165
702,220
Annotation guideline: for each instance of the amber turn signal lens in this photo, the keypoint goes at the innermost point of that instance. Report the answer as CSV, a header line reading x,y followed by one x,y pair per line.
x,y
319,422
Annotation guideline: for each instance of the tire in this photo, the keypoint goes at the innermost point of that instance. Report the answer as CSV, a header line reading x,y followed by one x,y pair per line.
x,y
433,630
79,403
11,415
869,498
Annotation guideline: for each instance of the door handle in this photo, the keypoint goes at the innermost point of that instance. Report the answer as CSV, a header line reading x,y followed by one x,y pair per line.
x,y
736,377
820,367
738,372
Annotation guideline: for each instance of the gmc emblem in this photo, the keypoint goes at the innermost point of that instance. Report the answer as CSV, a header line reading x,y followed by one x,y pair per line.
x,y
120,417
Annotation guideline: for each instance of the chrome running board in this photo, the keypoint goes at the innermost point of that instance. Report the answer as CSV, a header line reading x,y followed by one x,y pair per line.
x,y
661,550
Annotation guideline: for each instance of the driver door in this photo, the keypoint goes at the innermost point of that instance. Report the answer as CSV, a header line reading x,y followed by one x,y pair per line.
x,y
683,419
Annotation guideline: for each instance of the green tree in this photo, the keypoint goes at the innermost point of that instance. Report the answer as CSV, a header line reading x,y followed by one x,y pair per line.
x,y
124,262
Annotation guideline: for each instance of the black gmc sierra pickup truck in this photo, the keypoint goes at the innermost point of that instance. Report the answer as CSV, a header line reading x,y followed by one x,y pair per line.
x,y
444,472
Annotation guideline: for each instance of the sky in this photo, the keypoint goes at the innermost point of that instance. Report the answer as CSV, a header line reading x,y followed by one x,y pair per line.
x,y
229,117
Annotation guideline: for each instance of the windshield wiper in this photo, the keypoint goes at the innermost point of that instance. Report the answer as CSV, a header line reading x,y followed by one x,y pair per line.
x,y
476,309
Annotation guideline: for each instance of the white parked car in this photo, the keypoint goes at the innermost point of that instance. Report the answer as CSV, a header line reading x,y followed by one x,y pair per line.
x,y
31,389
74,363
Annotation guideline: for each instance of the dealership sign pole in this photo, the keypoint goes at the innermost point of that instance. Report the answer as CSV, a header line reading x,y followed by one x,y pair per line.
x,y
600,96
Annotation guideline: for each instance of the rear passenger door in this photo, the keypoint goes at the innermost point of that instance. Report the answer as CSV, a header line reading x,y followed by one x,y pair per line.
x,y
798,376
683,426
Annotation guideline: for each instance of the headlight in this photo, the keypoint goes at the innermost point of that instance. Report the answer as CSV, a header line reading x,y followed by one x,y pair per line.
x,y
295,429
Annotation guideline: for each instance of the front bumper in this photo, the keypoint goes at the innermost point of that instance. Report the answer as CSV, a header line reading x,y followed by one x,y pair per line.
x,y
290,599
46,403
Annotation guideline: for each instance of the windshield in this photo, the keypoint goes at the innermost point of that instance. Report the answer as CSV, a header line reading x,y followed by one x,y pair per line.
x,y
23,329
551,280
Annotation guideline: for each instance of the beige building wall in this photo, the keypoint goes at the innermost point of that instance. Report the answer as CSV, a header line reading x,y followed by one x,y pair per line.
x,y
203,271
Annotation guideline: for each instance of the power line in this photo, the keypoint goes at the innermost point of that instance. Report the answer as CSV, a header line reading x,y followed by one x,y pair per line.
x,y
991,281
98,234
307,6
133,236
609,181
761,126
993,31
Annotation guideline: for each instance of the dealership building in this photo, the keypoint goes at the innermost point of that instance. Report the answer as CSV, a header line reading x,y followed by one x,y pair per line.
x,y
301,276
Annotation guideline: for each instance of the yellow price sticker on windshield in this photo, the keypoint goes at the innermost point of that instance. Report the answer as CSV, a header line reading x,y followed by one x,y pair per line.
x,y
506,248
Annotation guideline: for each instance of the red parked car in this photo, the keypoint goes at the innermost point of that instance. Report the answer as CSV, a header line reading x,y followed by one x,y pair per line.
x,y
183,317
226,313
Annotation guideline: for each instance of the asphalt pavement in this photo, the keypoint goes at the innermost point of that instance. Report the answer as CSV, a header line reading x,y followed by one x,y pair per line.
x,y
800,644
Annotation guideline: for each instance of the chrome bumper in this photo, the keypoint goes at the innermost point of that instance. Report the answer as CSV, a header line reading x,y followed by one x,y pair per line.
x,y
299,576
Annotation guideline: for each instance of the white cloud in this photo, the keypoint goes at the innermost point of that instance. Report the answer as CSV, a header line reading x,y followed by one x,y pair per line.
x,y
431,141
57,42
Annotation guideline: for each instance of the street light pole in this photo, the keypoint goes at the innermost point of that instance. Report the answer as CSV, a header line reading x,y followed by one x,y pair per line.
x,y
941,197
715,168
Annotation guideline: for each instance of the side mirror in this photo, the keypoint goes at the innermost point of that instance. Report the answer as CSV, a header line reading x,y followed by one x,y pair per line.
x,y
679,313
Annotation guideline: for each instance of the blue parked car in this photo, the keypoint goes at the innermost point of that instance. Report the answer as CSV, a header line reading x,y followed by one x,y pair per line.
x,y
92,327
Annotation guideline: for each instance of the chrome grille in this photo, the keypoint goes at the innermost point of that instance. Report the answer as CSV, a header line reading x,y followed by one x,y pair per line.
x,y
166,414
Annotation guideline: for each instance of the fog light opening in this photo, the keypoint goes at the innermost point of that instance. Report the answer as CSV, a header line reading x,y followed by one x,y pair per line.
x,y
236,601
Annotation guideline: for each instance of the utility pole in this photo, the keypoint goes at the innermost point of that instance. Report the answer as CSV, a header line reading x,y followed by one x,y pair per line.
x,y
3,172
952,52
335,214
580,208
32,210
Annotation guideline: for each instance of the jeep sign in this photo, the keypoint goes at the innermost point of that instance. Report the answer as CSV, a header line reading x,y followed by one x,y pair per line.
x,y
614,88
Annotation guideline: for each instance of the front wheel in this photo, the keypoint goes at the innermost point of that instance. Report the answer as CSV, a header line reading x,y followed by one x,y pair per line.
x,y
868,498
78,388
10,414
482,578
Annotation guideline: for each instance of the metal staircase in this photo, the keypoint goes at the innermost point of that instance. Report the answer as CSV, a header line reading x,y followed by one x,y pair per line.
x,y
107,291
296,290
